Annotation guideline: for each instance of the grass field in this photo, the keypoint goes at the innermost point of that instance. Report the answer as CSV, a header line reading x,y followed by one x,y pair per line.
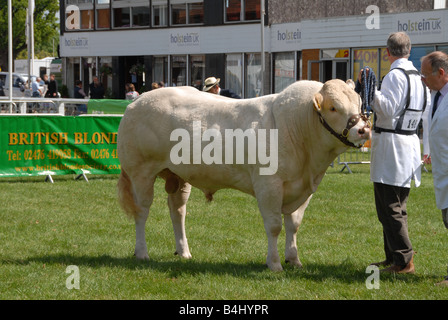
x,y
46,228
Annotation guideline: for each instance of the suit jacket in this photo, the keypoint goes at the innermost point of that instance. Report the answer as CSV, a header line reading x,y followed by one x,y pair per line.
x,y
96,92
229,93
435,141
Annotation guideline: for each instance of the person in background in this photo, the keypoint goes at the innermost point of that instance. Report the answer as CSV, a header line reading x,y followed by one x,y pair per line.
x,y
131,94
52,91
211,85
434,73
44,84
80,94
96,89
35,89
154,85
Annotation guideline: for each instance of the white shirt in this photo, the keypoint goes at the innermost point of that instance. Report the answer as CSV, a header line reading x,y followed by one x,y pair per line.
x,y
396,158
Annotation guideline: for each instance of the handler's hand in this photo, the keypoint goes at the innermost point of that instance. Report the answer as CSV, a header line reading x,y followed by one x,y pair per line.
x,y
360,74
426,159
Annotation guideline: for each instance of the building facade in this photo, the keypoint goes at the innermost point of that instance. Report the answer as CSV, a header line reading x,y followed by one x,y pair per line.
x,y
182,42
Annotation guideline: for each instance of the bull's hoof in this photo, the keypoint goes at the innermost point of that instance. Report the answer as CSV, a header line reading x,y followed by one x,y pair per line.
x,y
295,263
140,256
186,255
275,267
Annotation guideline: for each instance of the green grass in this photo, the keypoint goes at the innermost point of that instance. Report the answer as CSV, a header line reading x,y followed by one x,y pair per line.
x,y
47,227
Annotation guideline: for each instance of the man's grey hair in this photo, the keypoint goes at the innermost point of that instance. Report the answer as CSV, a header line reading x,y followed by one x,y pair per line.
x,y
437,60
399,45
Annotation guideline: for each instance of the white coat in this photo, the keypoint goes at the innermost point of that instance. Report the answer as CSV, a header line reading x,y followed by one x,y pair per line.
x,y
396,158
436,145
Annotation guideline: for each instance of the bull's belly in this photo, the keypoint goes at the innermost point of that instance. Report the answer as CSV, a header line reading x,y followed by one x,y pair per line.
x,y
211,178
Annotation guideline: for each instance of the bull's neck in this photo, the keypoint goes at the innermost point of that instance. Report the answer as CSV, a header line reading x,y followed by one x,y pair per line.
x,y
307,133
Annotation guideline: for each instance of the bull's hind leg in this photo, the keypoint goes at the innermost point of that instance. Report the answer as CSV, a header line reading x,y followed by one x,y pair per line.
x,y
141,250
177,202
292,223
144,194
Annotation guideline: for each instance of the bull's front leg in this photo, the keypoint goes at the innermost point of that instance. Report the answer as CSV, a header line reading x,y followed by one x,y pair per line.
x,y
269,197
292,224
273,226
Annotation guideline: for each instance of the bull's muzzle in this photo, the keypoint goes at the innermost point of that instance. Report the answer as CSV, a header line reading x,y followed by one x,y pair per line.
x,y
351,122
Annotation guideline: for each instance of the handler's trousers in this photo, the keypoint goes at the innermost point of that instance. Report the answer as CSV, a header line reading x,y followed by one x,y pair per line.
x,y
445,217
390,204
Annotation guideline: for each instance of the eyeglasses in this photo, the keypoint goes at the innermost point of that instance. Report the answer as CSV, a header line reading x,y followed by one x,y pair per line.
x,y
424,76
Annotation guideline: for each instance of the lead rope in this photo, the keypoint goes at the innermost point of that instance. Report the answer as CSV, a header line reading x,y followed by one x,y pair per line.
x,y
368,82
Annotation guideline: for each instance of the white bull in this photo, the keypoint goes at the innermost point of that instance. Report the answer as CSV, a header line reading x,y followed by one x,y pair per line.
x,y
148,138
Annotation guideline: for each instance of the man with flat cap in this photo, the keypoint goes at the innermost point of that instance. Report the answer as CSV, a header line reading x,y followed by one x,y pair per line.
x,y
211,85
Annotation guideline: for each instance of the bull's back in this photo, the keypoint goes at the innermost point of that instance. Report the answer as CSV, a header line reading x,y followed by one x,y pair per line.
x,y
149,121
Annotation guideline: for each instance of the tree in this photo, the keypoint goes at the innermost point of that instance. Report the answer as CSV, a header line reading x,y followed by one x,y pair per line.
x,y
46,27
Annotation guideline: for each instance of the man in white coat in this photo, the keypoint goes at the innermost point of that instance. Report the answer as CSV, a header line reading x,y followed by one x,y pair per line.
x,y
396,157
435,128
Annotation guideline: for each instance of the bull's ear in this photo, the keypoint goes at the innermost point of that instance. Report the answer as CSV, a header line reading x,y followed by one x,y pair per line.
x,y
317,101
351,83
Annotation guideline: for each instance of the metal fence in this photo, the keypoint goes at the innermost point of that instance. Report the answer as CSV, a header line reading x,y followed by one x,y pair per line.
x,y
354,156
65,107
359,156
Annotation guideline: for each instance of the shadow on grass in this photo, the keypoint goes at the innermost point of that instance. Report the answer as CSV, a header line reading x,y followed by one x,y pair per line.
x,y
345,272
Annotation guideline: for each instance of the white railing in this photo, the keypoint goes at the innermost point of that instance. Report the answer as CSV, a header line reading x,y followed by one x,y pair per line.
x,y
61,106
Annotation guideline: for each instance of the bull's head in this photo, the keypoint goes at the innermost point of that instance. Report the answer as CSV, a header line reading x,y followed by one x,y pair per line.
x,y
339,109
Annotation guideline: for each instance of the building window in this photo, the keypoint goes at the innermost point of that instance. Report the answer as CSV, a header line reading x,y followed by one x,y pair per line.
x,y
443,48
197,67
178,13
122,17
140,17
196,12
179,70
253,75
160,70
242,10
417,53
376,59
130,14
187,12
160,13
79,15
252,10
284,70
234,73
365,58
102,14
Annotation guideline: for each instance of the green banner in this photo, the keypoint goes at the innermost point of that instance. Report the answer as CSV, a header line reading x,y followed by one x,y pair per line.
x,y
107,106
57,145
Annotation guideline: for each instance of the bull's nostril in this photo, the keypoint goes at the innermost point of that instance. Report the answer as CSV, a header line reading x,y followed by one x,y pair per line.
x,y
361,131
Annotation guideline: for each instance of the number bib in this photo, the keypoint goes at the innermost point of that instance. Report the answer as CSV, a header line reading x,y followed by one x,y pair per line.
x,y
411,120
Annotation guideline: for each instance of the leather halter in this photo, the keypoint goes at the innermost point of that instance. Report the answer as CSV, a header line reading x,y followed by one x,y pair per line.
x,y
343,137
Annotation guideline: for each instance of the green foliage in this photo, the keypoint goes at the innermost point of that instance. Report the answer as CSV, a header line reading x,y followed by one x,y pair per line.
x,y
47,227
46,27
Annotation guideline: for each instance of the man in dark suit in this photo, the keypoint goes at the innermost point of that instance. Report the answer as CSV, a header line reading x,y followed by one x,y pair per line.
x,y
211,85
96,89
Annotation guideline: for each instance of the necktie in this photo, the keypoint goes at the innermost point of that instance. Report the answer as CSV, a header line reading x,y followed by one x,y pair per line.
x,y
434,107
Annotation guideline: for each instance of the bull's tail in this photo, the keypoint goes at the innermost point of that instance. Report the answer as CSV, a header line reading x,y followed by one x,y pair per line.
x,y
126,196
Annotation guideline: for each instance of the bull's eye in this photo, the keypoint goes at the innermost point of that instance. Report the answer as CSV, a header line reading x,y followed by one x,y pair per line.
x,y
332,109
